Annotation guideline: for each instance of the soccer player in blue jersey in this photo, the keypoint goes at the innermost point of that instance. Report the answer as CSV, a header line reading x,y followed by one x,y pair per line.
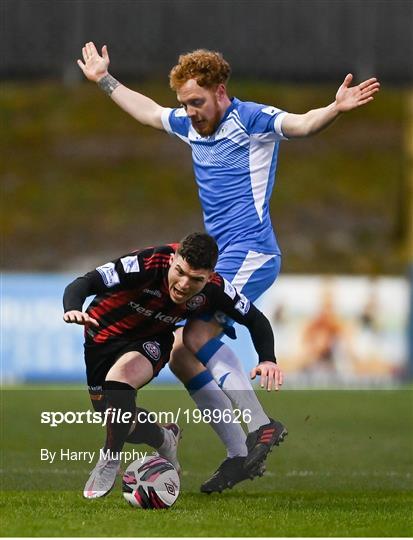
x,y
234,150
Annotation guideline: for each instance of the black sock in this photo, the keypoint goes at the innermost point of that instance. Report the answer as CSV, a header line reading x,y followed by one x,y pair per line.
x,y
146,432
119,396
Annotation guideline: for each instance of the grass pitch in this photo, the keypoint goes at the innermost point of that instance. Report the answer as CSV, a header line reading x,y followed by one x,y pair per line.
x,y
346,469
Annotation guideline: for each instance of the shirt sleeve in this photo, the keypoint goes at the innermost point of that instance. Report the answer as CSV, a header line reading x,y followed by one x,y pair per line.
x,y
123,273
263,120
234,304
176,122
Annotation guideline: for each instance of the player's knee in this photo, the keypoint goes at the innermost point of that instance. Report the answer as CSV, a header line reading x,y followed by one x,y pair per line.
x,y
132,368
194,341
195,336
183,364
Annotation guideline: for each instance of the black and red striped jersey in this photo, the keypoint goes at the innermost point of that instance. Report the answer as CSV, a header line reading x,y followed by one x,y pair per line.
x,y
132,301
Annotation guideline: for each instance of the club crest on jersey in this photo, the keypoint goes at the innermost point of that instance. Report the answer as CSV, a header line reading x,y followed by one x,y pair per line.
x,y
196,301
243,305
153,349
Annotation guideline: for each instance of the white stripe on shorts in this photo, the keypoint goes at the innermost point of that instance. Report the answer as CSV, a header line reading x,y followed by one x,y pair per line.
x,y
252,262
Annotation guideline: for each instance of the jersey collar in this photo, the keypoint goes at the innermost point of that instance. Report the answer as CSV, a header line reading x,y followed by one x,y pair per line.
x,y
227,112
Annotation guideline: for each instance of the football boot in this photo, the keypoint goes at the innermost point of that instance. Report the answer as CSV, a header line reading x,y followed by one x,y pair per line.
x,y
102,478
261,442
169,448
229,473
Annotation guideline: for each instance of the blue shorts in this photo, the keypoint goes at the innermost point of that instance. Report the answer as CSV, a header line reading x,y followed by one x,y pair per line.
x,y
252,273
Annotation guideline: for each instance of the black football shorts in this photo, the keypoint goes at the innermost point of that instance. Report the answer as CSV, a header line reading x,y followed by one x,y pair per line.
x,y
100,357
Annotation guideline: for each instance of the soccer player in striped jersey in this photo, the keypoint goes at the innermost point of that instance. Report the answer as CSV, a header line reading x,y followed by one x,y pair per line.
x,y
129,334
234,150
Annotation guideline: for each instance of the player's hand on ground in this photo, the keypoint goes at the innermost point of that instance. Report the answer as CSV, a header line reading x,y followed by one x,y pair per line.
x,y
349,97
94,66
271,375
79,317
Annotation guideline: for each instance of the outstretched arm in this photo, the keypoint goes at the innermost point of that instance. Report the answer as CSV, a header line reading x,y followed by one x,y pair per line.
x,y
347,98
95,68
240,309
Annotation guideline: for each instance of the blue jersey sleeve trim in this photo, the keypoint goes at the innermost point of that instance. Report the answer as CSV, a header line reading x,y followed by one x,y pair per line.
x,y
278,125
176,122
165,119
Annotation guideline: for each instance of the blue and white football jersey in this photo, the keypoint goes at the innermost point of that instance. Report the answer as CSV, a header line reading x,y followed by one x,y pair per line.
x,y
235,170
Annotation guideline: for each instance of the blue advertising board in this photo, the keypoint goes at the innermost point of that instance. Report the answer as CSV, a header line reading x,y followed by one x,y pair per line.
x,y
36,344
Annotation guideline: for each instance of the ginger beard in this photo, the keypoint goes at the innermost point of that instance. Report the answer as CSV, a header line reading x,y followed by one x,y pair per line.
x,y
207,125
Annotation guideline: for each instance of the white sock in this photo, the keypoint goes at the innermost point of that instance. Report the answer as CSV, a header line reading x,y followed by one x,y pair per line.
x,y
210,396
229,373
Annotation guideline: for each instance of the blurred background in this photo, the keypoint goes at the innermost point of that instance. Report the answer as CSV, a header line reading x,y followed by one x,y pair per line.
x,y
82,182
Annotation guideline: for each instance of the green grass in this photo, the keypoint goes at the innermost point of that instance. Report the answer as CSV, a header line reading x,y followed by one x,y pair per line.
x,y
234,514
345,470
